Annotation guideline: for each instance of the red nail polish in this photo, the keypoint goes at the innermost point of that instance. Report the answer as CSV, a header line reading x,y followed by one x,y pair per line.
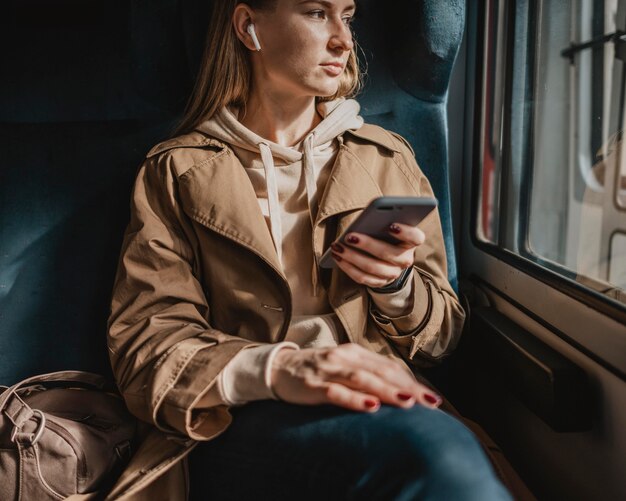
x,y
371,404
337,247
352,239
432,399
394,228
404,396
337,258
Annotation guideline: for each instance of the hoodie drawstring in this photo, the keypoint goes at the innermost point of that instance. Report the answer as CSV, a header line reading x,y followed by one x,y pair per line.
x,y
272,199
308,164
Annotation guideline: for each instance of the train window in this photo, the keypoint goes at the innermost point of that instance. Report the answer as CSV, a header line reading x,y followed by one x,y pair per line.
x,y
552,188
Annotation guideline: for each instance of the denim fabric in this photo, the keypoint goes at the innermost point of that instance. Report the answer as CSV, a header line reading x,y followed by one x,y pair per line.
x,y
279,451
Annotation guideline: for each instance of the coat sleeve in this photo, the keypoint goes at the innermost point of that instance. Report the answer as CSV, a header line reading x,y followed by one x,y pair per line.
x,y
431,326
165,355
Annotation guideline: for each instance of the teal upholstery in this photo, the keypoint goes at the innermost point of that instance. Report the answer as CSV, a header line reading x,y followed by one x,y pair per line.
x,y
409,68
88,87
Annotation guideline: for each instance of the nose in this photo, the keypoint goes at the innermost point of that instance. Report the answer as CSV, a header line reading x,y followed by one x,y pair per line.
x,y
342,37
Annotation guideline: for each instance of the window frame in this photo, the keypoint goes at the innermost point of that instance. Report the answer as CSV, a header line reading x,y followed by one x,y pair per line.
x,y
551,274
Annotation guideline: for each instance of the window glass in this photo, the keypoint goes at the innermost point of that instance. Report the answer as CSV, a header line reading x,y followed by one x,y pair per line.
x,y
489,210
561,194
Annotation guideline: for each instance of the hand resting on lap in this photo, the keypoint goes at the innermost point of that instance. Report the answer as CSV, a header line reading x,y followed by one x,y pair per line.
x,y
347,375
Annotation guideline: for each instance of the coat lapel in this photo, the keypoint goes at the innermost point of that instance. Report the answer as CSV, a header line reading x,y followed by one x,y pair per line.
x,y
351,185
219,195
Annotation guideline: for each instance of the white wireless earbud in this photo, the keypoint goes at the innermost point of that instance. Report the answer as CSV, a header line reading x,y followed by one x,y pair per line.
x,y
252,32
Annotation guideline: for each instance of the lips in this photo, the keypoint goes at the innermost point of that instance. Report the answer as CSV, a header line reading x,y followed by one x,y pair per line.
x,y
334,68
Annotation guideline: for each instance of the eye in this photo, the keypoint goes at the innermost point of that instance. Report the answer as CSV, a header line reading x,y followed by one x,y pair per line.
x,y
347,20
317,14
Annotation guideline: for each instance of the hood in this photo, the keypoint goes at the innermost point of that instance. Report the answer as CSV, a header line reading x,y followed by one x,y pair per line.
x,y
337,117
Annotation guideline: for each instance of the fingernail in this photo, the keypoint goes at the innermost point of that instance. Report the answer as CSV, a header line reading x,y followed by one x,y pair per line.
x,y
371,404
404,396
352,239
337,258
432,399
337,247
394,228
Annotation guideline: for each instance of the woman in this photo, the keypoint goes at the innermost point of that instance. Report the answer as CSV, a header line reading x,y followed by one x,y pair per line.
x,y
223,324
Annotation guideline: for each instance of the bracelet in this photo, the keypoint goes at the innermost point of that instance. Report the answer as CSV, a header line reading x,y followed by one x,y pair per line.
x,y
396,285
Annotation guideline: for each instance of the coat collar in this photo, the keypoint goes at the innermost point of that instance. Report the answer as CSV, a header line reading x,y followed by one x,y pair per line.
x,y
351,184
375,134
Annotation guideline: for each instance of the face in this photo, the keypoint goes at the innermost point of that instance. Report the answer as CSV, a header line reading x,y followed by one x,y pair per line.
x,y
304,46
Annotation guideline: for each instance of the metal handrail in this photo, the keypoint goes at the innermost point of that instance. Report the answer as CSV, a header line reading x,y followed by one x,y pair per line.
x,y
618,38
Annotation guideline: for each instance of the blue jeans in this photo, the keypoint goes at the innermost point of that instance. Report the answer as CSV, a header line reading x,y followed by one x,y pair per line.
x,y
279,451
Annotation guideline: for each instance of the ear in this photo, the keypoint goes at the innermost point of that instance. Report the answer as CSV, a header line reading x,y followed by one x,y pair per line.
x,y
242,17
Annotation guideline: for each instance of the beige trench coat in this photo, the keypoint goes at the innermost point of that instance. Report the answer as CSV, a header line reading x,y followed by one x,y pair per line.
x,y
199,280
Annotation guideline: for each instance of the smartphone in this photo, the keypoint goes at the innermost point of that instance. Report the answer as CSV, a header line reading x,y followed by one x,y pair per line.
x,y
379,214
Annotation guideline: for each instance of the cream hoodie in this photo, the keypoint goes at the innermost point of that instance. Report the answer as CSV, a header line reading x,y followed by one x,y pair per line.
x,y
287,181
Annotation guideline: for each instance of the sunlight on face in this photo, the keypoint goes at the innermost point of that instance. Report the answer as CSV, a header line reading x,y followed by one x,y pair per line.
x,y
305,46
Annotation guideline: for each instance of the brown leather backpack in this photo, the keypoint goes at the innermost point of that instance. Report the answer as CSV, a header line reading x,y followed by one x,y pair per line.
x,y
61,434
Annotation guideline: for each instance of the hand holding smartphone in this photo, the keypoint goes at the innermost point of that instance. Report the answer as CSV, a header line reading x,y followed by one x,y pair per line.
x,y
379,214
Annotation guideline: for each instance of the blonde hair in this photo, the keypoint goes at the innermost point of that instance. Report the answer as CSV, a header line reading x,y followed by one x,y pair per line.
x,y
225,75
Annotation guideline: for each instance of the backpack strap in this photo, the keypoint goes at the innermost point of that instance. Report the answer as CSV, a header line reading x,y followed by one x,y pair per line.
x,y
19,412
